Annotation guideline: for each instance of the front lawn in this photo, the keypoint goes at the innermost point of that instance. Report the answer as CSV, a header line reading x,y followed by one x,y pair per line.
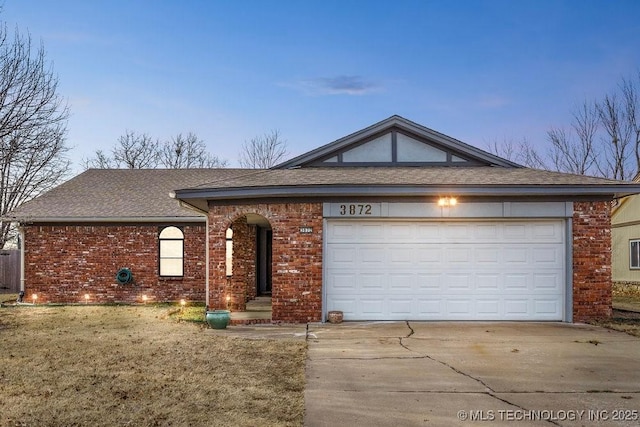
x,y
125,365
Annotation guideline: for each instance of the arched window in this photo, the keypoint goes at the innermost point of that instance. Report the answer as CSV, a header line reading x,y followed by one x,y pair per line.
x,y
229,256
171,252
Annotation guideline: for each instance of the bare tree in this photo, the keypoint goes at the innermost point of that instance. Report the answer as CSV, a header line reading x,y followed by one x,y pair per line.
x,y
188,151
136,151
620,121
505,149
33,120
568,154
133,151
263,152
617,144
631,104
522,152
140,151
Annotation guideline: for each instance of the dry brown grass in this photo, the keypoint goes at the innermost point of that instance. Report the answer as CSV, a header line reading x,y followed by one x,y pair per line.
x,y
626,314
123,365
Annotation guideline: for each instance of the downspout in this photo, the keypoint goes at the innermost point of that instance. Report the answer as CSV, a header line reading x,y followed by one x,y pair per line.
x,y
206,249
22,269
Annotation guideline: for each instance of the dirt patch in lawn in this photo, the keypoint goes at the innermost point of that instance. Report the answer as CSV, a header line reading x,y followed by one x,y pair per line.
x,y
625,316
123,365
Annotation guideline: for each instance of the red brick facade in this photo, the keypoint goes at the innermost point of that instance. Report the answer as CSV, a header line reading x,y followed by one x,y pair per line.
x,y
65,262
297,258
591,261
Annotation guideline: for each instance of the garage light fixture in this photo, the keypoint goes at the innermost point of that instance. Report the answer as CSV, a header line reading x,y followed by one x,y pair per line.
x,y
447,201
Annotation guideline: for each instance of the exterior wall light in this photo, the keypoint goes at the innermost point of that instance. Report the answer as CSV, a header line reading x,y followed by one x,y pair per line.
x,y
447,201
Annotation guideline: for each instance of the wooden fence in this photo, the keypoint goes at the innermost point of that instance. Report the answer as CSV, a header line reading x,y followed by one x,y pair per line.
x,y
10,271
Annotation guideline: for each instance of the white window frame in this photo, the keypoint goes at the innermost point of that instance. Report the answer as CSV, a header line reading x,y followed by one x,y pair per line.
x,y
171,234
634,262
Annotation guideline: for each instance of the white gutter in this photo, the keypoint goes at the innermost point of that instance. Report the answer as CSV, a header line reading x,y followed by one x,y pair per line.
x,y
123,219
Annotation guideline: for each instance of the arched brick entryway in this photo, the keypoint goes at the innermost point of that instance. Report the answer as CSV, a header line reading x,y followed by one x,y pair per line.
x,y
296,262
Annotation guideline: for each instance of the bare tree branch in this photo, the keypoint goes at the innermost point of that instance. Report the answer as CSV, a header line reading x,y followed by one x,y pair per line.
x,y
568,154
136,151
188,151
522,152
33,120
617,143
630,99
140,151
263,152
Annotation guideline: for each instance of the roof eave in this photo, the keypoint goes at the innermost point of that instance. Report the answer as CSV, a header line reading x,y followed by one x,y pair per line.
x,y
99,219
611,191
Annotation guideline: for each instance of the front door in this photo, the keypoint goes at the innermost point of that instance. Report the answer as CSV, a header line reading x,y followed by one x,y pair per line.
x,y
263,279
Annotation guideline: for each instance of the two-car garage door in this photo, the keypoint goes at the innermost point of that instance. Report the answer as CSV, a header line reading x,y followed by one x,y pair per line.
x,y
445,270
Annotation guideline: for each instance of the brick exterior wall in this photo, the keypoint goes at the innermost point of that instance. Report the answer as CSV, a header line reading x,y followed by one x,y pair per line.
x,y
297,258
65,262
591,261
241,286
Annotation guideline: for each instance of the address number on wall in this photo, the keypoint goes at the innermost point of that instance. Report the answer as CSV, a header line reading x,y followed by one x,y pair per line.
x,y
355,209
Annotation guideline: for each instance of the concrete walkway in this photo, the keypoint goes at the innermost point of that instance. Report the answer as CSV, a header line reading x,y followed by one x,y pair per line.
x,y
455,373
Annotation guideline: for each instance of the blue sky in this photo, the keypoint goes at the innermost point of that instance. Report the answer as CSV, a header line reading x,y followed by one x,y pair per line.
x,y
478,71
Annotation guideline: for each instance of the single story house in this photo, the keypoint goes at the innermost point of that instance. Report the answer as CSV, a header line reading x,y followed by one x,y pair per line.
x,y
625,235
393,222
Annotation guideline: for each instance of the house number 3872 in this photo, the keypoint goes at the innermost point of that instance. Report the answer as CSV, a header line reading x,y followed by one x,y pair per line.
x,y
355,209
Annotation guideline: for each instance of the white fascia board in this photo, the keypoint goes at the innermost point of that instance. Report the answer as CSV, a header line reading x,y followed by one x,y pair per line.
x,y
612,190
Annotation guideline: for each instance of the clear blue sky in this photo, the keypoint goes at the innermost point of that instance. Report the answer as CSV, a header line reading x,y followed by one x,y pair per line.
x,y
478,71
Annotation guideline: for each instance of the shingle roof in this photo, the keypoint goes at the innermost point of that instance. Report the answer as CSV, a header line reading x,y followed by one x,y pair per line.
x,y
402,176
144,195
120,194
331,182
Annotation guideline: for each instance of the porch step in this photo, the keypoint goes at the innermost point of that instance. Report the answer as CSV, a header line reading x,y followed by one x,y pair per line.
x,y
238,322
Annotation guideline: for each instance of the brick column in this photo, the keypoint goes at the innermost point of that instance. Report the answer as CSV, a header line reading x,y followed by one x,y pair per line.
x,y
591,261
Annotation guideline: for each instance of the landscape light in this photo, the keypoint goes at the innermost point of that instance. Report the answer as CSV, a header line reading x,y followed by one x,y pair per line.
x,y
144,298
182,303
35,298
86,298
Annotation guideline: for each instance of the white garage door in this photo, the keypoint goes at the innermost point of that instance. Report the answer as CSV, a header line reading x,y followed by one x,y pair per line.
x,y
429,270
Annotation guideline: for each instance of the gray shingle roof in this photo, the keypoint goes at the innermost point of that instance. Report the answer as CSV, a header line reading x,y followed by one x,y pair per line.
x,y
402,176
144,195
102,194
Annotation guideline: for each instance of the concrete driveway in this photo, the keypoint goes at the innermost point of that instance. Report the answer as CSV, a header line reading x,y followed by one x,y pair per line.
x,y
441,374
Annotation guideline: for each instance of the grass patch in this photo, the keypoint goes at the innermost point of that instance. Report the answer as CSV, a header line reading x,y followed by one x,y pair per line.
x,y
8,298
193,313
126,365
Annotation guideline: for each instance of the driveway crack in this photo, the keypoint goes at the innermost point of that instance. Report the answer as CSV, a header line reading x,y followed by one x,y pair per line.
x,y
490,391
